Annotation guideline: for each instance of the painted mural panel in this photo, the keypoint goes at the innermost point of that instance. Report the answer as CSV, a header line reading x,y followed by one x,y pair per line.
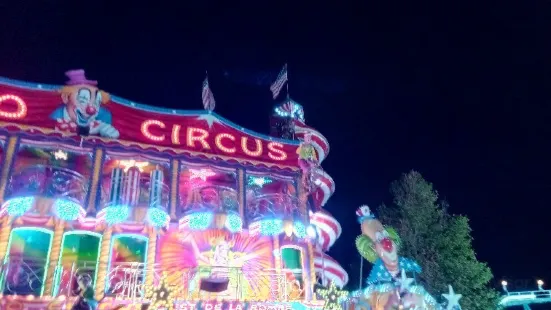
x,y
208,188
242,265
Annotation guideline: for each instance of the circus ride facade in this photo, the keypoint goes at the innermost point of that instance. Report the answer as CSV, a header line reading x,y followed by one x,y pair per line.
x,y
174,209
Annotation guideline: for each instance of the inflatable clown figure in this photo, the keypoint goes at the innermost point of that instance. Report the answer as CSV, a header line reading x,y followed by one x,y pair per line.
x,y
307,154
82,111
388,284
307,160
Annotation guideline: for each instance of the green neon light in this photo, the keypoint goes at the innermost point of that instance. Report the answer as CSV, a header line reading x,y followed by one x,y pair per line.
x,y
57,277
35,229
118,236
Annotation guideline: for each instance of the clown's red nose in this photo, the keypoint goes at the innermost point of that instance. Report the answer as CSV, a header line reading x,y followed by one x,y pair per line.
x,y
387,244
90,110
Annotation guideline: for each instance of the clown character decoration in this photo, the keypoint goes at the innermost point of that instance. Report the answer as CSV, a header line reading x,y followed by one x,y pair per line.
x,y
82,111
389,288
307,160
378,244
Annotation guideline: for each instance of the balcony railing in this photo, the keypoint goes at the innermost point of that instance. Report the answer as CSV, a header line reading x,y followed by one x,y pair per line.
x,y
48,181
67,275
211,197
144,194
273,205
22,276
127,281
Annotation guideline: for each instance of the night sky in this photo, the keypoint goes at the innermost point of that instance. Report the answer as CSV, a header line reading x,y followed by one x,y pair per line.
x,y
460,92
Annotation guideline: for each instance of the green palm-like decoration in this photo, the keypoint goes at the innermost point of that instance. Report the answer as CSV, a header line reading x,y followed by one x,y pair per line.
x,y
364,245
394,236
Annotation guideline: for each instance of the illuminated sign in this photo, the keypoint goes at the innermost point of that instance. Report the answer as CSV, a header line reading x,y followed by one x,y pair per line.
x,y
232,305
59,111
202,140
20,110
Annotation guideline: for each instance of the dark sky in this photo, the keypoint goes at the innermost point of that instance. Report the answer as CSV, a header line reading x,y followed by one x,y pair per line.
x,y
458,90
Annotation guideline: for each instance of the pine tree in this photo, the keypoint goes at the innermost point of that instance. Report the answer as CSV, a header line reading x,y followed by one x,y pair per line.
x,y
441,243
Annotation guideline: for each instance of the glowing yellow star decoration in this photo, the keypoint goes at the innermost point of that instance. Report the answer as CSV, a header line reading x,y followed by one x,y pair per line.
x,y
60,155
161,296
332,296
127,164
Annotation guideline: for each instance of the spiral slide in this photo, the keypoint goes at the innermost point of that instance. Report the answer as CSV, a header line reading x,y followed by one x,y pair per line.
x,y
329,270
325,186
328,227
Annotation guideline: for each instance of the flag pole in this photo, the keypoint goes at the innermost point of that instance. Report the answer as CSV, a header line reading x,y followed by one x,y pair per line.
x,y
361,271
287,69
289,100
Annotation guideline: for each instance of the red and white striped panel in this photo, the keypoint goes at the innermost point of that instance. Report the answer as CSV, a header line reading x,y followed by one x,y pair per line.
x,y
325,187
329,228
318,140
329,270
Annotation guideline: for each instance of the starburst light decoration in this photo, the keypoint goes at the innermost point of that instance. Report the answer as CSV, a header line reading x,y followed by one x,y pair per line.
x,y
202,174
404,283
162,295
259,181
127,164
453,299
60,155
333,297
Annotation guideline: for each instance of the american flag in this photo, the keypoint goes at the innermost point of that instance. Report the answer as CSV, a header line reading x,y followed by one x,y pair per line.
x,y
278,84
208,97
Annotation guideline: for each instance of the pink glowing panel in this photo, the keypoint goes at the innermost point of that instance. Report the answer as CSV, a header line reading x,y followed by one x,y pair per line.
x,y
207,187
193,258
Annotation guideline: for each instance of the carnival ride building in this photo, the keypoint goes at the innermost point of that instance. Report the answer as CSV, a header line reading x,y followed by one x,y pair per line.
x,y
93,184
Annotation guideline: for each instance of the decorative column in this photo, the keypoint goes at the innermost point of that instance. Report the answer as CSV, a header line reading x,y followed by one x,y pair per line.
x,y
103,261
174,169
242,186
94,186
55,253
151,253
277,258
313,281
279,283
5,230
303,199
6,165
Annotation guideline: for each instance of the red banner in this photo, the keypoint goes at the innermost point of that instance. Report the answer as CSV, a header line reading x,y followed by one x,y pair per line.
x,y
86,110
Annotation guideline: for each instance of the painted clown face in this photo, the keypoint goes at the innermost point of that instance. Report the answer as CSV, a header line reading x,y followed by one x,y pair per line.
x,y
383,245
387,251
83,103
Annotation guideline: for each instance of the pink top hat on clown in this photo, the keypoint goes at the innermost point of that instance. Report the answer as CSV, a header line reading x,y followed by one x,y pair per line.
x,y
78,77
